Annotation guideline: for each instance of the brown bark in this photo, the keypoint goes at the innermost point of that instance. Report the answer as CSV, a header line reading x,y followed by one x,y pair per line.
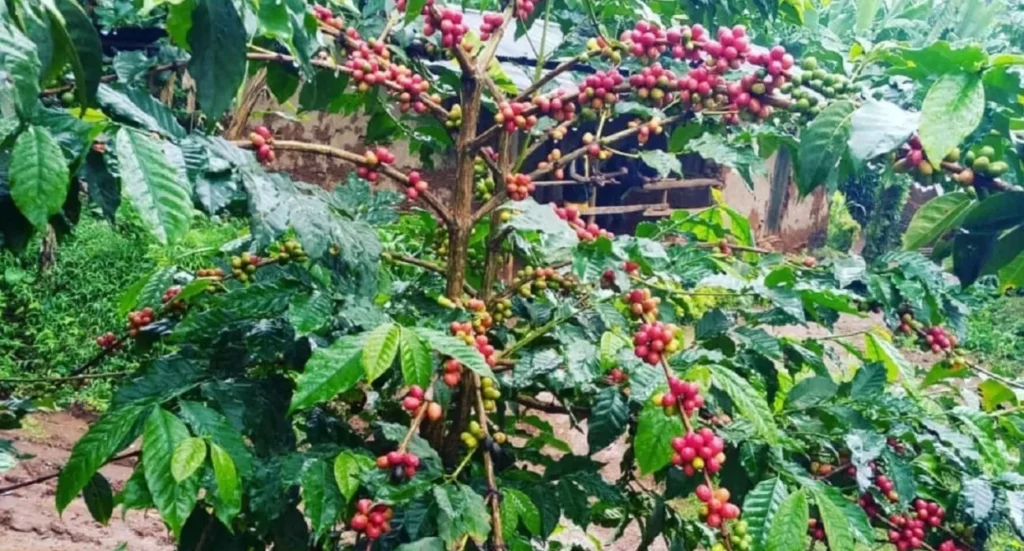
x,y
461,223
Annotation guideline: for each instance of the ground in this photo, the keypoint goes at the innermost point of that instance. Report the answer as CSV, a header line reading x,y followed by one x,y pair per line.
x,y
29,520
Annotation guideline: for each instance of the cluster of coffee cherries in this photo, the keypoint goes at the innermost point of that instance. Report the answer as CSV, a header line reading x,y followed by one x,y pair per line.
x,y
698,451
502,310
912,158
519,186
289,251
949,545
492,21
617,376
654,84
452,372
681,395
371,520
484,180
939,340
464,330
414,399
594,147
816,529
107,341
720,419
557,105
262,140
372,159
450,24
685,41
907,322
584,231
552,160
168,296
369,65
602,47
887,487
244,265
544,278
326,16
513,115
745,96
524,8
646,129
491,393
907,532
645,40
653,340
211,273
716,507
641,302
598,89
413,84
822,468
871,507
731,48
415,186
981,164
698,87
402,465
139,319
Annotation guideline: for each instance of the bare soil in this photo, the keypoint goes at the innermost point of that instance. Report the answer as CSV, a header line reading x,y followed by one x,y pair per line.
x,y
29,520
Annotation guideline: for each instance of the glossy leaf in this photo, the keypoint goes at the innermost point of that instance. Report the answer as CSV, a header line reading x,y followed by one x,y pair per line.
x,y
189,455
749,403
347,467
39,176
447,345
229,485
653,443
380,350
935,218
760,506
75,35
822,143
173,499
999,212
99,498
879,127
218,41
788,529
951,111
153,185
607,419
330,371
417,361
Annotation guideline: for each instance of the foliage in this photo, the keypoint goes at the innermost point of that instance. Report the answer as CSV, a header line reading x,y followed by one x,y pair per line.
x,y
843,230
352,375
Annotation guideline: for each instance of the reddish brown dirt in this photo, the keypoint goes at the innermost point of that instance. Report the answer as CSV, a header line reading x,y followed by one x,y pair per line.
x,y
28,517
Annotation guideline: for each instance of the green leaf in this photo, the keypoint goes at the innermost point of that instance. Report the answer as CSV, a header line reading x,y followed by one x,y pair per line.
x,y
788,529
654,434
21,63
111,434
950,112
748,402
935,218
868,382
380,350
174,500
999,212
845,519
877,349
971,252
413,10
458,349
515,507
879,127
902,476
320,496
39,176
662,161
461,512
229,485
218,43
811,392
211,424
822,144
99,499
309,313
995,393
346,473
712,324
330,371
608,418
80,43
1012,274
189,455
611,343
1015,506
153,185
135,105
179,22
1007,249
417,362
426,544
760,506
978,498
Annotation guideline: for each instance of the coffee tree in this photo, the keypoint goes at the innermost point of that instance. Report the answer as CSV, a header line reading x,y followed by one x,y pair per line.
x,y
354,374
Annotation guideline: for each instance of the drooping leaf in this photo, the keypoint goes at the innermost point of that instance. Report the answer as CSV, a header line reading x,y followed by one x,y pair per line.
x,y
112,433
653,443
951,111
75,35
39,176
902,476
607,419
517,507
979,499
135,105
935,218
822,143
868,382
153,185
229,485
878,349
788,529
173,499
760,506
879,127
347,467
461,513
320,496
19,59
330,371
99,498
189,455
417,362
218,41
380,350
999,212
211,424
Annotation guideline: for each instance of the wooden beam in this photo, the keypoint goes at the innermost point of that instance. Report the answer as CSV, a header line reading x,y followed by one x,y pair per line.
x,y
624,209
683,184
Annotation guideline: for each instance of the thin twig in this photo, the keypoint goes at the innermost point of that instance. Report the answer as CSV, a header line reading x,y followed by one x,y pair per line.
x,y
430,266
51,476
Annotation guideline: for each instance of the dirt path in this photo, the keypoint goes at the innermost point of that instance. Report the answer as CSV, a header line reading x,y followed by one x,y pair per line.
x,y
28,517
29,520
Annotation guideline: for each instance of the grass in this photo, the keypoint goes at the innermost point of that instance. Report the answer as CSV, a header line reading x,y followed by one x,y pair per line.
x,y
995,335
49,321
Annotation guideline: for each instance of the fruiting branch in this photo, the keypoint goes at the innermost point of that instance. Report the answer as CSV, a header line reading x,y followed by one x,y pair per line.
x,y
492,486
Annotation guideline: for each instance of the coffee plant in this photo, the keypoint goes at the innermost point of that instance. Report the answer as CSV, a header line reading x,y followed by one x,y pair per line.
x,y
368,370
